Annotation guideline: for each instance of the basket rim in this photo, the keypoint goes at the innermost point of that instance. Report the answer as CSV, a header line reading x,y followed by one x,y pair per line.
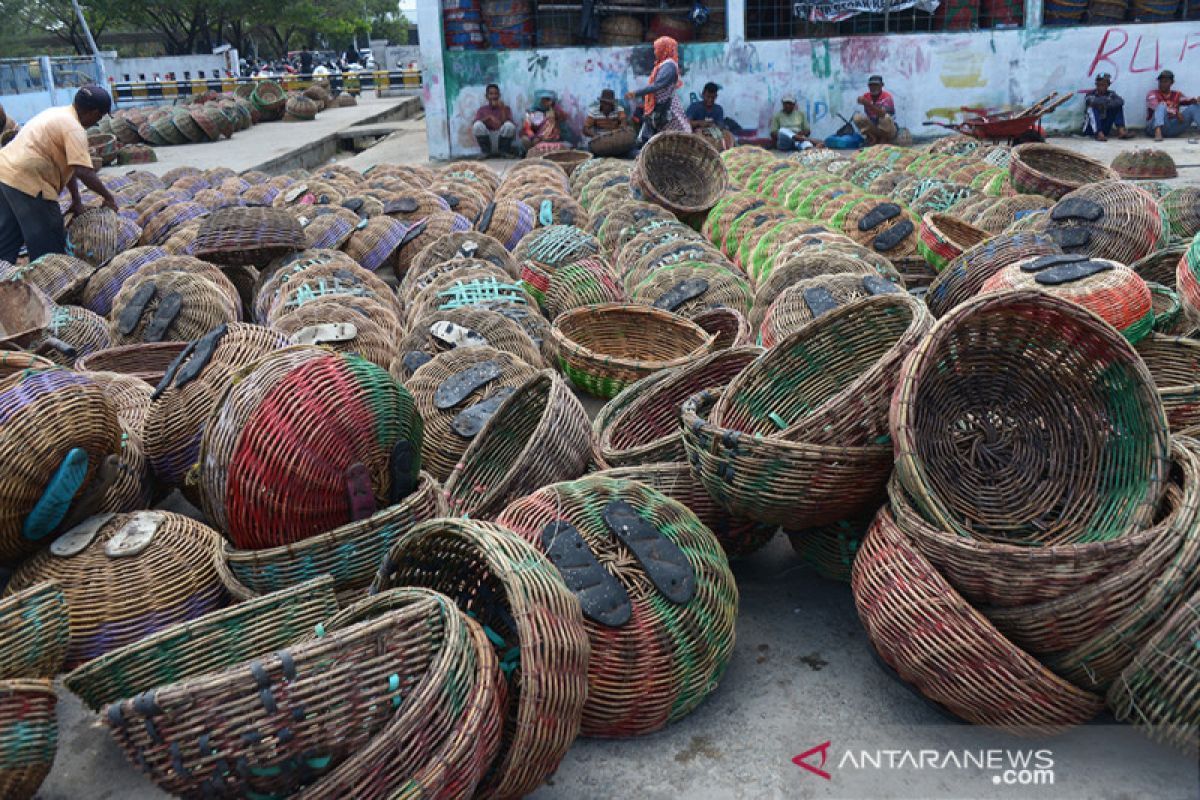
x,y
562,340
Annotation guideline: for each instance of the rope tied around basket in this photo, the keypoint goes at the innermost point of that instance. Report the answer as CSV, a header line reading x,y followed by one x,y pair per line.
x,y
479,291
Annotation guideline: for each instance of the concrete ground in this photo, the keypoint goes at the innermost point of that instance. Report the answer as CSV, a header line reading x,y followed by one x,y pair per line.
x,y
803,672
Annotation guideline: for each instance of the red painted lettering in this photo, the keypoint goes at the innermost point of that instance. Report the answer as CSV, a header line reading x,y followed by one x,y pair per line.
x,y
1188,44
1134,68
823,749
1105,56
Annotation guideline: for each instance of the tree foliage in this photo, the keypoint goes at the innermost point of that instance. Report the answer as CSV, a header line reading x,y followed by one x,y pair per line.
x,y
269,27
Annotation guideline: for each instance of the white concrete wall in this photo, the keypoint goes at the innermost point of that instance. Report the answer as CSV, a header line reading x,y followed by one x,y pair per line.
x,y
118,68
931,75
23,107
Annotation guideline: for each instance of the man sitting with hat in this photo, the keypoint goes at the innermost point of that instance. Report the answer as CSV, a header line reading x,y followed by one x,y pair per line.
x,y
1168,112
877,119
604,118
50,153
1105,111
789,126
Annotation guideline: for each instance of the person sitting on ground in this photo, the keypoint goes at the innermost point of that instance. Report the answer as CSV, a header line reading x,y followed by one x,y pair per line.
x,y
50,153
789,126
545,126
493,126
877,119
707,117
605,118
1105,111
1168,112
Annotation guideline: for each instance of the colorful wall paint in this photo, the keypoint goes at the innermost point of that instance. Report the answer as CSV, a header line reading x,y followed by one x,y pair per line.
x,y
931,75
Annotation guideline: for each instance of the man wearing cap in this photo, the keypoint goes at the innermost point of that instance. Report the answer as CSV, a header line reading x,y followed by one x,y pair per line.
x,y
789,127
1168,112
1105,111
877,119
50,153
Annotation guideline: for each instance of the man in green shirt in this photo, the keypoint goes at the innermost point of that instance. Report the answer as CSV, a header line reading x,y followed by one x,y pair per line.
x,y
789,127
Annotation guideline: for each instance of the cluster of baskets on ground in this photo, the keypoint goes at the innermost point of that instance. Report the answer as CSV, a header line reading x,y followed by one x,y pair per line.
x,y
126,136
959,378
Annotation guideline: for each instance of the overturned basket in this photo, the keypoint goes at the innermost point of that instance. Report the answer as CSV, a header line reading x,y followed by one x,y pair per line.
x,y
252,236
28,736
671,619
603,348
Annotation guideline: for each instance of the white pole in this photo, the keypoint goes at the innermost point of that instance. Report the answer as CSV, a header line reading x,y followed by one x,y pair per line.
x,y
87,32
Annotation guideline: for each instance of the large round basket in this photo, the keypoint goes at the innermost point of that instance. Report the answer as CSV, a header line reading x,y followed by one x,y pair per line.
x,y
332,695
1182,207
603,348
193,384
105,564
250,236
1111,291
451,393
534,623
943,237
641,424
1158,692
464,244
831,381
443,744
801,303
269,99
28,736
60,277
98,234
149,362
334,436
426,339
357,325
1110,219
33,632
728,325
539,434
1144,164
680,172
966,274
208,643
911,614
1174,363
665,624
58,431
348,554
567,160
1059,374
1052,171
171,306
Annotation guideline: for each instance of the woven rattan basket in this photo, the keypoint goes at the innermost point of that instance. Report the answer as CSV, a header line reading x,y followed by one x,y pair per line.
x,y
28,736
532,620
800,303
208,643
688,287
33,633
427,339
98,234
1145,164
641,424
464,244
374,244
943,237
194,383
104,283
251,236
1182,207
682,173
1118,295
1053,171
601,349
1109,219
1011,491
328,695
59,277
539,435
587,282
912,615
728,325
344,324
349,554
440,398
105,565
964,276
170,306
676,638
446,738
305,422
58,431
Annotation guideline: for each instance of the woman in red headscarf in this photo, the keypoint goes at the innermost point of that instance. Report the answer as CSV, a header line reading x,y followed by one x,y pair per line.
x,y
664,110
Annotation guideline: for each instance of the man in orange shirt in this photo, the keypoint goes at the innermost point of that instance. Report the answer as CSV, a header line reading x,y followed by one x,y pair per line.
x,y
50,153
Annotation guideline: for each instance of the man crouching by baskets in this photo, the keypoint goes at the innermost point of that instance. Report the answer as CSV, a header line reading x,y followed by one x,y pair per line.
x,y
50,152
877,120
493,127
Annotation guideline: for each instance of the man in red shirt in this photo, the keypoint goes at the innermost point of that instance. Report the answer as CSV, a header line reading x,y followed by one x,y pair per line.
x,y
877,119
493,127
1168,112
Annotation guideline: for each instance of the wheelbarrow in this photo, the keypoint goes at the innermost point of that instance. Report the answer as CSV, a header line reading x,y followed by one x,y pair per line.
x,y
1014,126
26,315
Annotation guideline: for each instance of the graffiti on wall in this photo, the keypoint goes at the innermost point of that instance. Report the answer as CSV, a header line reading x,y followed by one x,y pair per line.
x,y
1120,52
